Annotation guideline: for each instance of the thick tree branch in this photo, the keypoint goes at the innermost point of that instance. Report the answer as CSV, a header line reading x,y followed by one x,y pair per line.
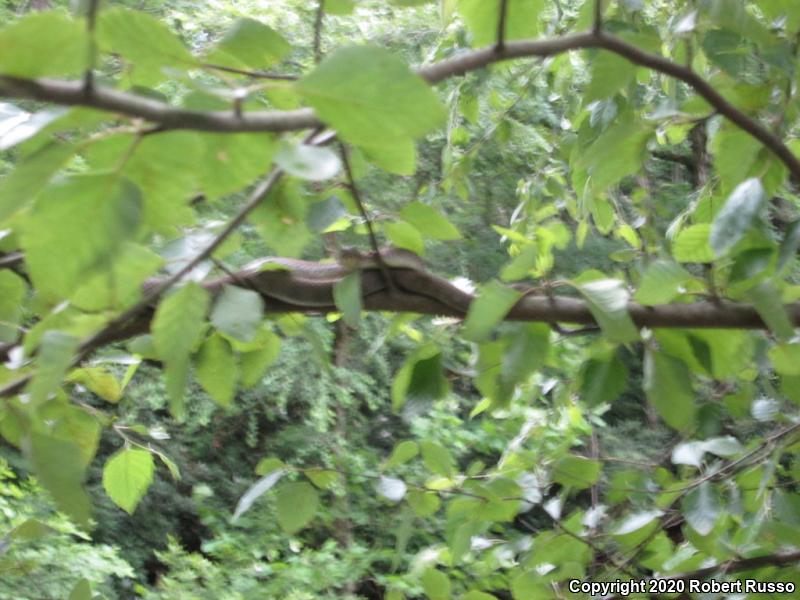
x,y
72,93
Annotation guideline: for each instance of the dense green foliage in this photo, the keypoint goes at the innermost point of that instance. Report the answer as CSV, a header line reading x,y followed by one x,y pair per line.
x,y
221,451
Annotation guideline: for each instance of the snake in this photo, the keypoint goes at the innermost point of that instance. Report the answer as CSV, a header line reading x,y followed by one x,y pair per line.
x,y
310,285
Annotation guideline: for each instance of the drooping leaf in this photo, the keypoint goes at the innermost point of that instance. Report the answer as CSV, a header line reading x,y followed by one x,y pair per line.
x,y
296,505
603,380
692,245
402,453
56,352
59,468
178,323
217,370
437,458
231,162
488,309
347,296
577,471
766,299
436,584
702,507
126,477
405,235
667,383
608,301
421,379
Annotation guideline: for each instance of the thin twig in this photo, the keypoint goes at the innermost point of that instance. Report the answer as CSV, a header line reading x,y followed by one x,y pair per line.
x,y
597,25
318,19
91,22
501,26
373,239
250,74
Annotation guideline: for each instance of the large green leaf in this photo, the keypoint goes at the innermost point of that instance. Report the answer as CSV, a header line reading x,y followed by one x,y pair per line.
x,y
617,153
603,379
577,471
56,352
178,323
249,44
367,93
735,153
437,458
296,505
482,18
60,249
766,299
692,245
42,44
421,379
436,585
737,216
126,477
347,296
231,162
668,386
702,507
142,39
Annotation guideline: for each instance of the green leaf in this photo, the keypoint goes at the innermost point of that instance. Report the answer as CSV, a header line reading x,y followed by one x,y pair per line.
x,y
661,283
667,384
488,309
603,381
347,297
617,153
735,154
59,467
81,591
249,44
142,39
437,459
177,326
737,216
324,479
788,249
607,299
701,507
126,477
482,19
403,452
233,161
405,235
237,312
522,264
429,222
395,155
296,505
308,162
12,292
217,371
436,584
766,299
424,504
165,167
610,73
59,247
254,363
255,491
367,93
99,381
692,245
786,358
421,379
30,175
56,352
577,471
43,44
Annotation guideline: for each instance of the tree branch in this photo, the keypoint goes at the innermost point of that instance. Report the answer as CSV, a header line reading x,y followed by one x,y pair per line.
x,y
71,93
